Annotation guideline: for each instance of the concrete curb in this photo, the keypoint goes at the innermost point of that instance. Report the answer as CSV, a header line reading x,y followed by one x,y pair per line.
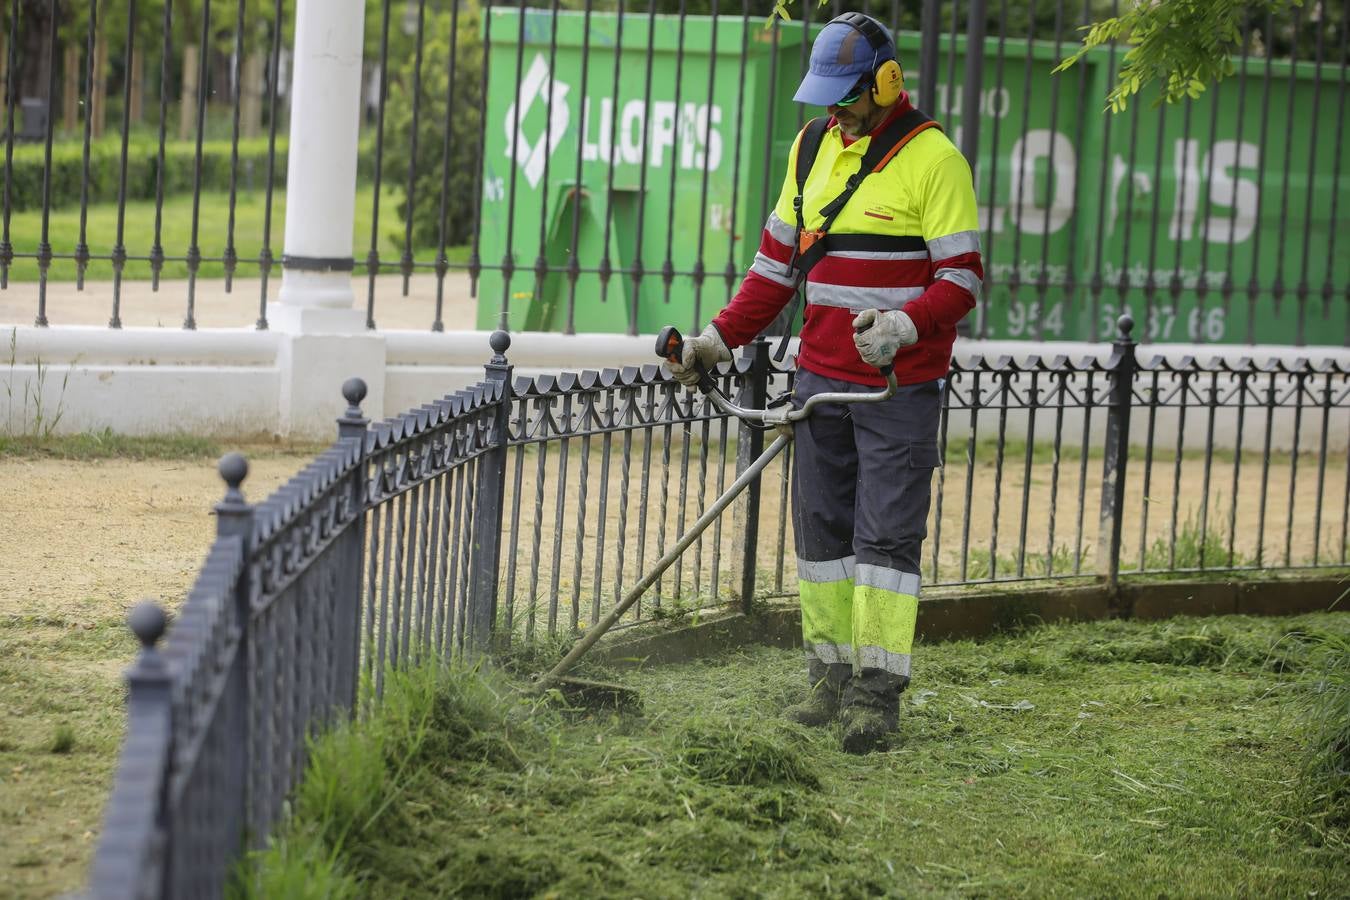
x,y
970,614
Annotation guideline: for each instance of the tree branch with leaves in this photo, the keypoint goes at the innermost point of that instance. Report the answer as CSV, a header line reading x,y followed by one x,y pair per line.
x,y
1185,45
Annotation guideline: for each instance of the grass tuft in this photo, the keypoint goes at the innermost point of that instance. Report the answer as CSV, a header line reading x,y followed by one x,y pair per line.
x,y
1215,644
105,444
63,739
1326,724
726,751
296,867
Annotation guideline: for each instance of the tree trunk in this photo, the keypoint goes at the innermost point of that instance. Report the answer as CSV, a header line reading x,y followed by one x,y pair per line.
x,y
137,69
98,104
34,58
250,113
187,110
70,89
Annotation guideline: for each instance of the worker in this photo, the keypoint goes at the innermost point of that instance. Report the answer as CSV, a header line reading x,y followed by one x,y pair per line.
x,y
880,231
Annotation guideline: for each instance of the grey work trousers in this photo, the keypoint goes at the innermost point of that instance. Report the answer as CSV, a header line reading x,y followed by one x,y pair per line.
x,y
860,496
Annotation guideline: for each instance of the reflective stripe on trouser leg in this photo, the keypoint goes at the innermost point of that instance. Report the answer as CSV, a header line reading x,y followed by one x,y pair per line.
x,y
827,589
885,607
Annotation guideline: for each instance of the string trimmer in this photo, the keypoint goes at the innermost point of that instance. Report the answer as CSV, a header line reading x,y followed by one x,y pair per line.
x,y
670,346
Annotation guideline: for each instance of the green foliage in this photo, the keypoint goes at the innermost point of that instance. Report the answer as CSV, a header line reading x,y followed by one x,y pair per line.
x,y
105,165
463,118
1185,45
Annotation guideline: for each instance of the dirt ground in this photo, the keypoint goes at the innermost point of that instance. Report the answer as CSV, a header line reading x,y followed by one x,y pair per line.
x,y
100,536
83,543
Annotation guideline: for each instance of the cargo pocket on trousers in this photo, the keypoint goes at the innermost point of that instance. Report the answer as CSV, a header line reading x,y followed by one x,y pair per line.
x,y
924,455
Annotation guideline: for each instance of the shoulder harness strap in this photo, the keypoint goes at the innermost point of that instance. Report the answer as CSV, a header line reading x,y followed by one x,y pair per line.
x,y
807,150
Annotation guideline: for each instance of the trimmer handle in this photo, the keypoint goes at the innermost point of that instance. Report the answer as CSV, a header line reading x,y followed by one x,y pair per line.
x,y
670,344
885,370
670,347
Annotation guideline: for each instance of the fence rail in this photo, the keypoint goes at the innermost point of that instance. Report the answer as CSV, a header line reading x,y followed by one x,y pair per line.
x,y
608,167
521,508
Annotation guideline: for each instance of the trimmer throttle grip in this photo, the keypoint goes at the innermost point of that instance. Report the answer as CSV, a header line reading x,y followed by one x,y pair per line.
x,y
670,347
670,344
885,370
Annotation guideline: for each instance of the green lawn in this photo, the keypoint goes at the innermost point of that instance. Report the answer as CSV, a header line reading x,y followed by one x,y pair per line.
x,y
213,228
1104,759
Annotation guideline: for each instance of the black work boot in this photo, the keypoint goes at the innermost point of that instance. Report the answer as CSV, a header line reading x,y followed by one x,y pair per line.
x,y
821,705
865,728
871,710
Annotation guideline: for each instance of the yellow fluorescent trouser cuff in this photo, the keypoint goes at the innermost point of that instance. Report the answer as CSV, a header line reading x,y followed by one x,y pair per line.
x,y
827,609
884,618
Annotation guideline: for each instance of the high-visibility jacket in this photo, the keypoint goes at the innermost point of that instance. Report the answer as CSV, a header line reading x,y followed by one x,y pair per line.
x,y
925,193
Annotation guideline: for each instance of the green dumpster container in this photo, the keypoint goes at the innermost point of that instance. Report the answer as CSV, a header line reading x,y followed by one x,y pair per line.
x,y
691,169
1212,221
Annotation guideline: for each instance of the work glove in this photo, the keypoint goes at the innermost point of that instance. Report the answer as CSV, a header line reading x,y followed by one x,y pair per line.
x,y
708,348
879,334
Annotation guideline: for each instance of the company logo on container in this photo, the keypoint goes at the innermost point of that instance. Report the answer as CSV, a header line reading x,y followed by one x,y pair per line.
x,y
538,84
641,132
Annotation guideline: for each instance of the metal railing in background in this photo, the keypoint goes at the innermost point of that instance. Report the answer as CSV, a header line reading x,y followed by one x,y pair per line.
x,y
607,167
134,201
519,509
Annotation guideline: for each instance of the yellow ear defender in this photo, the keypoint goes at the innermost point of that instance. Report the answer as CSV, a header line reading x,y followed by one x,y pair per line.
x,y
888,80
888,83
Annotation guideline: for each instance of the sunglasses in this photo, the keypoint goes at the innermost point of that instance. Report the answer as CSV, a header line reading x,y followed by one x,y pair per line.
x,y
855,93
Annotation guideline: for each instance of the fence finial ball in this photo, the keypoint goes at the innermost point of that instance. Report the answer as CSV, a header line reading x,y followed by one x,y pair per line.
x,y
354,391
500,341
234,469
147,622
1126,324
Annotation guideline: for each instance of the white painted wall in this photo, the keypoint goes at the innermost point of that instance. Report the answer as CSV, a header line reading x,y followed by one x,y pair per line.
x,y
237,383
240,382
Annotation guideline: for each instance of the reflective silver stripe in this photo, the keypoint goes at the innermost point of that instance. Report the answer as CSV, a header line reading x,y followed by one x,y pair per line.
x,y
831,654
954,244
847,297
779,230
879,658
892,580
961,278
879,254
772,269
825,571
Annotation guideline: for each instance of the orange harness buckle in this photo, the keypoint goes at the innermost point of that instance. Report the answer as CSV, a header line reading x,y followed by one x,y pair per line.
x,y
807,239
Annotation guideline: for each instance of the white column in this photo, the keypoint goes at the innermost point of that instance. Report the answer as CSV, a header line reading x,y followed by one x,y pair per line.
x,y
316,285
326,341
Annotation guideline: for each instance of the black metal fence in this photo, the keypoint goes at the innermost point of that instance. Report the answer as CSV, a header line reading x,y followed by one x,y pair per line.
x,y
609,165
522,507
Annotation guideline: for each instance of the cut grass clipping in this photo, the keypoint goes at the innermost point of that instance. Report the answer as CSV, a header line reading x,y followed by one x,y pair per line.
x,y
1176,758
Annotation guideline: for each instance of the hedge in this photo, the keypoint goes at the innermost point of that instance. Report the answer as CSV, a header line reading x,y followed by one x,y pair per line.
x,y
142,165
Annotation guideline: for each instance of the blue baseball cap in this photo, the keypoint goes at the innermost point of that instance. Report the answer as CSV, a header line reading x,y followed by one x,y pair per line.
x,y
840,56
